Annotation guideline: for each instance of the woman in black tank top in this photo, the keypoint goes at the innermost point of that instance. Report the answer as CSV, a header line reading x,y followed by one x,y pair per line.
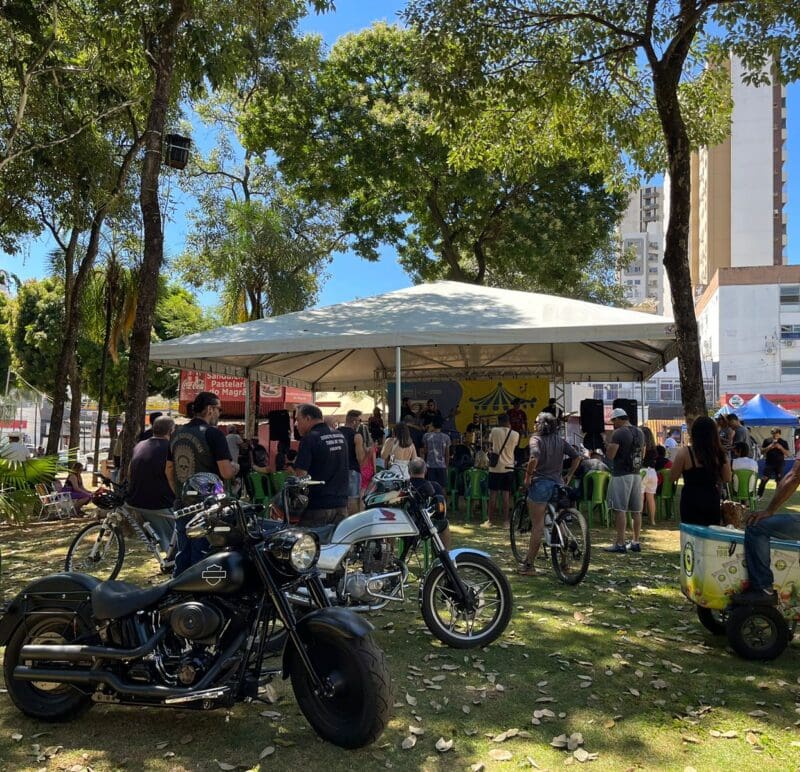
x,y
705,467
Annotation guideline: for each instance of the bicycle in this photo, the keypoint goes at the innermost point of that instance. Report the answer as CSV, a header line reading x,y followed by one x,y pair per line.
x,y
566,535
103,543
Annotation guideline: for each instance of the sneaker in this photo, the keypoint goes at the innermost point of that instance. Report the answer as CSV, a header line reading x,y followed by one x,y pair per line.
x,y
634,546
757,597
620,548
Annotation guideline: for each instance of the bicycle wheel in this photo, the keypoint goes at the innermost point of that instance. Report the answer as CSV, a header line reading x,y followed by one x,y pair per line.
x,y
570,546
520,530
98,549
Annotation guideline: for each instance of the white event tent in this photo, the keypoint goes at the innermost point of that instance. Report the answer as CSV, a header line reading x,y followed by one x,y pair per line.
x,y
439,331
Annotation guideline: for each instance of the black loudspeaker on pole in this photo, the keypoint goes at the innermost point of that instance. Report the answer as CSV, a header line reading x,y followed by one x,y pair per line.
x,y
592,421
630,406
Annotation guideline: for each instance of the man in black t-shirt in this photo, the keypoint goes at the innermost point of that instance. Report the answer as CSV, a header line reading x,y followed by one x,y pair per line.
x,y
776,451
151,481
356,453
323,456
198,447
417,469
430,412
148,433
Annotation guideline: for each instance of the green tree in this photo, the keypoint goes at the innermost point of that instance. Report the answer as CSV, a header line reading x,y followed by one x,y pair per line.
x,y
37,331
600,78
190,47
358,129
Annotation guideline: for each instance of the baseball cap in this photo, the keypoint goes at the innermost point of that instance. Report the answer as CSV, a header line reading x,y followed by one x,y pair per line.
x,y
618,412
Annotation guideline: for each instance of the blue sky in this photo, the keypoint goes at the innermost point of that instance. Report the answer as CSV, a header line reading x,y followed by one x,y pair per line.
x,y
350,277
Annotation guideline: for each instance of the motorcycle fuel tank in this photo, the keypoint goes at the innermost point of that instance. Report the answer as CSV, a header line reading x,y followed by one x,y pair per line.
x,y
375,523
220,574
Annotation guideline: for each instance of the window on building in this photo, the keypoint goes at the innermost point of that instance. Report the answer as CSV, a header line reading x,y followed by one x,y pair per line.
x,y
790,332
790,297
599,391
730,378
652,270
790,367
665,391
612,391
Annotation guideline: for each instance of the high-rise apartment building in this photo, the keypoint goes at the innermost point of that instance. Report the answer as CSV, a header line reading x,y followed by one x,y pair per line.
x,y
642,236
738,197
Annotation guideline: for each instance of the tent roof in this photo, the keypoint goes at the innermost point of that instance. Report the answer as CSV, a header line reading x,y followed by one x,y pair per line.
x,y
759,411
446,330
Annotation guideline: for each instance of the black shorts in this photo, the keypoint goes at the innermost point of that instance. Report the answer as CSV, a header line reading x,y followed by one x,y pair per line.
x,y
773,472
501,481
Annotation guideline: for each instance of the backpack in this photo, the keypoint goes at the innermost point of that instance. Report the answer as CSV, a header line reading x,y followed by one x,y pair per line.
x,y
637,450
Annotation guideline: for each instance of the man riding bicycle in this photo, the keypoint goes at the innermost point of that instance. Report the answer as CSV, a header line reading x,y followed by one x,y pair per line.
x,y
543,476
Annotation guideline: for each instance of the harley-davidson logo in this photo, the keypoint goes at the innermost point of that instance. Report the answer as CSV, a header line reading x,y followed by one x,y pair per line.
x,y
214,574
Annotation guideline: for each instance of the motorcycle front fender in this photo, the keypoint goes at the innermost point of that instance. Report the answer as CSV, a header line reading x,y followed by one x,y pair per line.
x,y
334,622
454,556
69,591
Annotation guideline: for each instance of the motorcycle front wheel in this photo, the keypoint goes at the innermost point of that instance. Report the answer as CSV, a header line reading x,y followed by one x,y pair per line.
x,y
98,550
359,708
479,620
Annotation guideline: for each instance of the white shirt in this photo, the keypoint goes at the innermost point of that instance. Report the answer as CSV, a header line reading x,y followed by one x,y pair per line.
x,y
745,463
496,439
15,451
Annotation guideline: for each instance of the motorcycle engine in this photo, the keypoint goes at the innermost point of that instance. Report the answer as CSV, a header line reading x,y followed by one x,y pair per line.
x,y
196,621
375,557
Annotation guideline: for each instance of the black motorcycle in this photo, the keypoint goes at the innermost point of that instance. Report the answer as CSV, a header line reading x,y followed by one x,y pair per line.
x,y
201,640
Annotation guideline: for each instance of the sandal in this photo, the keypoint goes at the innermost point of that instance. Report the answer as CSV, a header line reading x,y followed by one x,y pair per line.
x,y
527,569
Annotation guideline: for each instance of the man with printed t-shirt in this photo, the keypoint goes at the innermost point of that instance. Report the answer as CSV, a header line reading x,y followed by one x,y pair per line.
x,y
625,489
776,451
196,447
323,456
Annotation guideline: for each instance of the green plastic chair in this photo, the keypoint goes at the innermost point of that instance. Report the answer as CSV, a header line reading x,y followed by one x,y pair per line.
x,y
276,482
476,484
665,498
259,484
743,487
598,481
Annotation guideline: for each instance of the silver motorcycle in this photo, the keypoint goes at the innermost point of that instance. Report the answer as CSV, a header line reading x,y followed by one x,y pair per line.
x,y
464,597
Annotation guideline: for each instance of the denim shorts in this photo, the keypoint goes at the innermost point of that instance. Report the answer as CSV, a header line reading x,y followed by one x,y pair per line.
x,y
354,484
541,490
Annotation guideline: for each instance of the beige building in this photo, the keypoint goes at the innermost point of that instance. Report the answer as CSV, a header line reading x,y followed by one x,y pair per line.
x,y
738,195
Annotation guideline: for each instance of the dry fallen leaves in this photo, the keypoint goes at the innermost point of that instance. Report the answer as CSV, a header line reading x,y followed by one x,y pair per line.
x,y
498,754
268,751
443,745
408,742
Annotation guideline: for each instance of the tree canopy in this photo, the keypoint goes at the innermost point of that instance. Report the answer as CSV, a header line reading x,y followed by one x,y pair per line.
x,y
603,79
358,129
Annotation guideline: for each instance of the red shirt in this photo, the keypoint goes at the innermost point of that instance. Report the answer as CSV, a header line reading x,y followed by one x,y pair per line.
x,y
518,419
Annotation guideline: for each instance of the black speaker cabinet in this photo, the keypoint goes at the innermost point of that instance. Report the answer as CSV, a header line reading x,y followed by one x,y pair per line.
x,y
631,407
279,426
592,416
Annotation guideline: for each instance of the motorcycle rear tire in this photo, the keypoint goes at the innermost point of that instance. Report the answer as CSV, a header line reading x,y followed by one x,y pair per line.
x,y
59,702
358,712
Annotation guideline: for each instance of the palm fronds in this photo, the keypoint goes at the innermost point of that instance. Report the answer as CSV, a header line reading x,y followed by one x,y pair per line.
x,y
18,481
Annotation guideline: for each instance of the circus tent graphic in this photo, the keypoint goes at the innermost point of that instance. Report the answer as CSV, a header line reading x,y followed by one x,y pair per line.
x,y
499,401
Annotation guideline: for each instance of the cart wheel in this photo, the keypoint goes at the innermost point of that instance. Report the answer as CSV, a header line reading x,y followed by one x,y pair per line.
x,y
712,619
757,632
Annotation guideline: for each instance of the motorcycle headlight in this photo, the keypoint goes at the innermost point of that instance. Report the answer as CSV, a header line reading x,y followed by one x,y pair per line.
x,y
296,549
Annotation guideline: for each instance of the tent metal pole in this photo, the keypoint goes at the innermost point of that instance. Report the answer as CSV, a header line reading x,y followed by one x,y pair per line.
x,y
641,384
398,363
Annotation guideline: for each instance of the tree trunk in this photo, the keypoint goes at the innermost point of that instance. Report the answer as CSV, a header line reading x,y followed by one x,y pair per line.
x,y
676,249
102,388
75,404
163,62
74,291
67,353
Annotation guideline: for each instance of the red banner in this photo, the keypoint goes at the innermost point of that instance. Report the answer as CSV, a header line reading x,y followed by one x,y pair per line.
x,y
231,392
13,424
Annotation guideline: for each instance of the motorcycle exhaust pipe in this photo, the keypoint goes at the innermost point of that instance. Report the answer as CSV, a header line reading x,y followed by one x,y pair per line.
x,y
72,653
85,677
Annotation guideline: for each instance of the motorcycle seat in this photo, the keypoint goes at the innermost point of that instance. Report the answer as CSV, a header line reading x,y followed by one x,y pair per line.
x,y
113,600
324,533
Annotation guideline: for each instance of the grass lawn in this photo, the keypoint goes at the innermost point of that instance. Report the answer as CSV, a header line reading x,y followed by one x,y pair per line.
x,y
621,659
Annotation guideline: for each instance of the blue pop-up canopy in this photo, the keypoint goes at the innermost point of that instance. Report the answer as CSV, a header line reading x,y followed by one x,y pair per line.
x,y
759,411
